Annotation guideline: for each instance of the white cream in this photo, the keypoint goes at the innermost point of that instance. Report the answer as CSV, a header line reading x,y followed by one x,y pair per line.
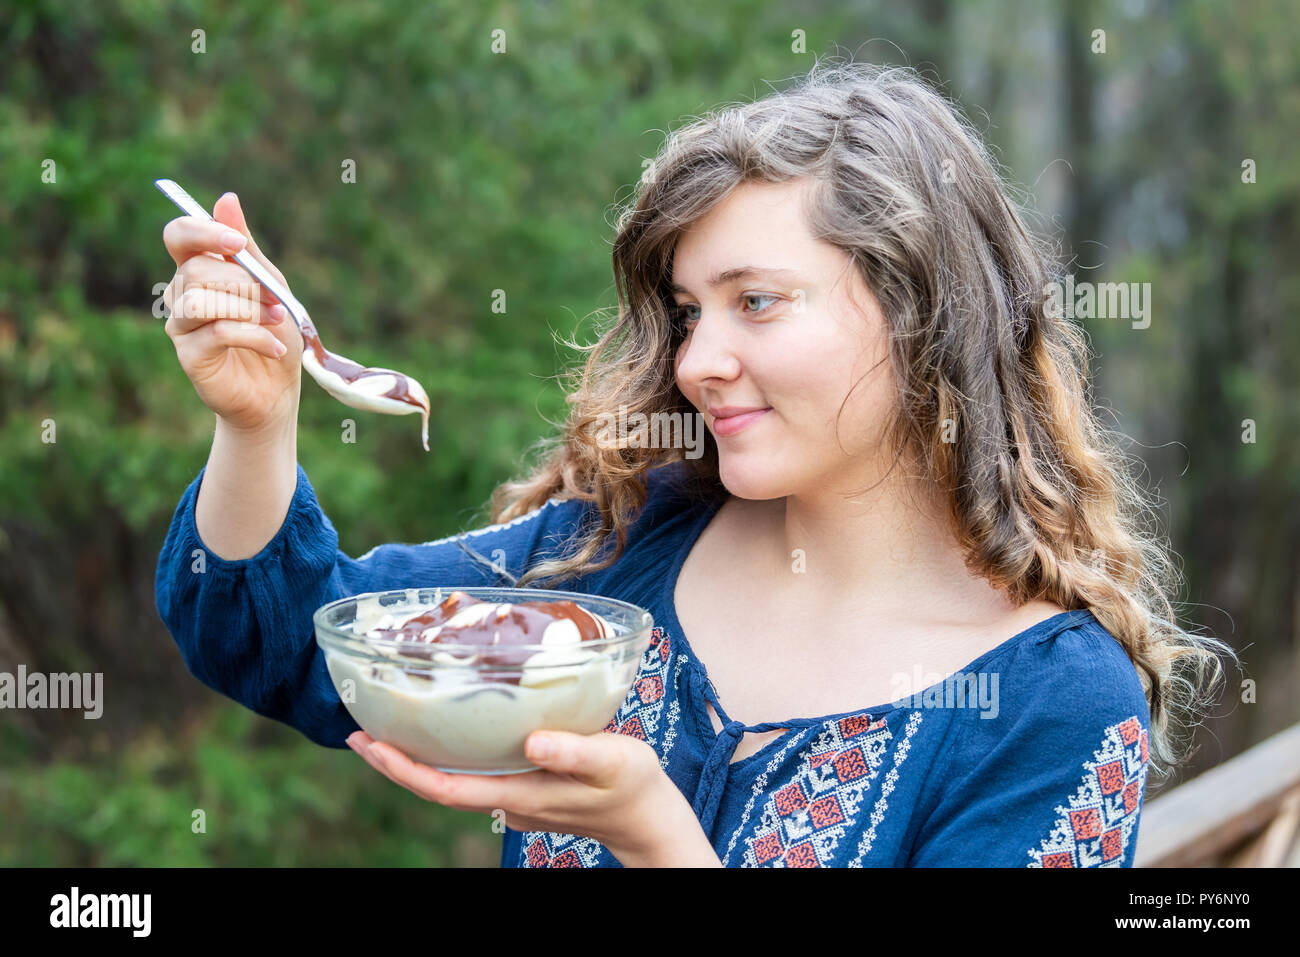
x,y
457,721
367,393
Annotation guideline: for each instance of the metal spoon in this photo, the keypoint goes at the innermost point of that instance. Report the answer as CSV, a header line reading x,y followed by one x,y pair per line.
x,y
375,390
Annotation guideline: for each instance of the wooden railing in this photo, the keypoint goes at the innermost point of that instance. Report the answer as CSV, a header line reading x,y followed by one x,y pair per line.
x,y
1243,813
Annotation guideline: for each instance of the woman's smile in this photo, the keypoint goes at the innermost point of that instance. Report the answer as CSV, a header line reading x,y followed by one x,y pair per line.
x,y
732,424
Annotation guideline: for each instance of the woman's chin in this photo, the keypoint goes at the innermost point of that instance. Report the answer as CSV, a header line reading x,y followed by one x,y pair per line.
x,y
744,480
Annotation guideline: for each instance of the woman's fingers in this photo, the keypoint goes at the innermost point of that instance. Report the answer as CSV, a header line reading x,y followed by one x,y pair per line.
x,y
187,237
198,292
221,274
221,334
229,210
208,269
200,305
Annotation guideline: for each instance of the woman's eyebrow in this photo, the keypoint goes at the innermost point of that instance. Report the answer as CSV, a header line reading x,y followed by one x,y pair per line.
x,y
742,272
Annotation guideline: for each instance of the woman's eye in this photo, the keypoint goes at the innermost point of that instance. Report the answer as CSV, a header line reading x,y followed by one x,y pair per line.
x,y
683,316
758,295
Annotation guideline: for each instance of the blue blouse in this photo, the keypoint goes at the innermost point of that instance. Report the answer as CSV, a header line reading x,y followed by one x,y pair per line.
x,y
1032,755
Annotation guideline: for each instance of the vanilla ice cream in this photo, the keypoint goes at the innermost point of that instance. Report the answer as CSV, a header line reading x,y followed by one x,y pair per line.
x,y
472,679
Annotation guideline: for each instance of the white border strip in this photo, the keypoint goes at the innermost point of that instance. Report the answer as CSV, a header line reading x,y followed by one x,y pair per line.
x,y
487,530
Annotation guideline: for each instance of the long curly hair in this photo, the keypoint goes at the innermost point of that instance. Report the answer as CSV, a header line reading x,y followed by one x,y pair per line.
x,y
993,389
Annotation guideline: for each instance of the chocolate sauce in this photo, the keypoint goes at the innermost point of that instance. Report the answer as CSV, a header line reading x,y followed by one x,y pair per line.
x,y
350,372
499,634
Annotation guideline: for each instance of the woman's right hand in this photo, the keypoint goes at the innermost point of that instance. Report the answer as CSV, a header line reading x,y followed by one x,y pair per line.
x,y
245,363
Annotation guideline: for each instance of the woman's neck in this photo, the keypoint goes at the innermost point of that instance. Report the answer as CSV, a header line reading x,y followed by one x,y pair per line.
x,y
883,552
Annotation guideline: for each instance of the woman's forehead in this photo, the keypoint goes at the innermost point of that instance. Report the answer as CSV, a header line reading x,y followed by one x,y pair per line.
x,y
758,232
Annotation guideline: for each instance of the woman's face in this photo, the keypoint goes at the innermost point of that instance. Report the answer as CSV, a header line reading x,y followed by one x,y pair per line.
x,y
785,337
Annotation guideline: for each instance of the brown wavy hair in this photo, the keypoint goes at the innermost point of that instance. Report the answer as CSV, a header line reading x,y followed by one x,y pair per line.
x,y
1040,493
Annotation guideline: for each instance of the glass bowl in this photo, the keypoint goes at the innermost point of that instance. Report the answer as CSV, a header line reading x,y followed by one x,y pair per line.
x,y
469,708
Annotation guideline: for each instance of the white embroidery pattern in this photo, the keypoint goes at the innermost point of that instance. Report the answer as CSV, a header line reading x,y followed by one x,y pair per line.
x,y
1098,825
882,803
759,784
639,716
803,822
674,713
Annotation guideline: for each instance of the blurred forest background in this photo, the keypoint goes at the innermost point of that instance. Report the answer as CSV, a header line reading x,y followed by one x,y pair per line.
x,y
478,171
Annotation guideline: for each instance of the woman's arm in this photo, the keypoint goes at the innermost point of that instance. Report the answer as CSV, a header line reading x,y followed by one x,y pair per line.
x,y
244,626
247,486
1057,778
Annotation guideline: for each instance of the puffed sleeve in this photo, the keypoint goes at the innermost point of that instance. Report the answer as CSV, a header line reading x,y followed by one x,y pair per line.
x,y
244,628
1056,776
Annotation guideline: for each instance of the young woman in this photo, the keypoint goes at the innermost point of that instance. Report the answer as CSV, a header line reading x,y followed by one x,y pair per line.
x,y
904,493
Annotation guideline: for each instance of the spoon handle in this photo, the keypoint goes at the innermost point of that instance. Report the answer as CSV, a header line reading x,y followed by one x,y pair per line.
x,y
173,191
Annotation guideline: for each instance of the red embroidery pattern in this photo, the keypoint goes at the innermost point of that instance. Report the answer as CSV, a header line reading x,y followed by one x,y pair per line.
x,y
1098,826
803,821
640,716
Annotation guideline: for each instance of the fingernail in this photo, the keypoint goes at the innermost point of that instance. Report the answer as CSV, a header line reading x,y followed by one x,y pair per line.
x,y
277,312
232,240
375,755
540,747
280,348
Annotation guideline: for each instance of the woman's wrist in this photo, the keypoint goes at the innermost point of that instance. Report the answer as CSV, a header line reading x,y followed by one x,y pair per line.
x,y
275,431
676,840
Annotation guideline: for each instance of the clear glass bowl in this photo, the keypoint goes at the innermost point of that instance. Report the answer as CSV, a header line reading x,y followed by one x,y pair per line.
x,y
474,717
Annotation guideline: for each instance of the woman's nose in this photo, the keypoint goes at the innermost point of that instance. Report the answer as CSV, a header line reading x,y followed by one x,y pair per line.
x,y
708,351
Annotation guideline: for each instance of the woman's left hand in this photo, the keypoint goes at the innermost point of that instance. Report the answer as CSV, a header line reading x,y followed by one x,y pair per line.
x,y
605,786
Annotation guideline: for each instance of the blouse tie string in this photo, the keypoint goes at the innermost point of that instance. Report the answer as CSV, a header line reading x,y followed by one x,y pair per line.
x,y
713,777
708,796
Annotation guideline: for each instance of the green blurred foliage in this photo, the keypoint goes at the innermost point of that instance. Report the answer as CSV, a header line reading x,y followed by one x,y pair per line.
x,y
265,797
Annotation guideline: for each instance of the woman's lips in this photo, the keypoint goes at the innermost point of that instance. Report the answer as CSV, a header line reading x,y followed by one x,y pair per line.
x,y
732,424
